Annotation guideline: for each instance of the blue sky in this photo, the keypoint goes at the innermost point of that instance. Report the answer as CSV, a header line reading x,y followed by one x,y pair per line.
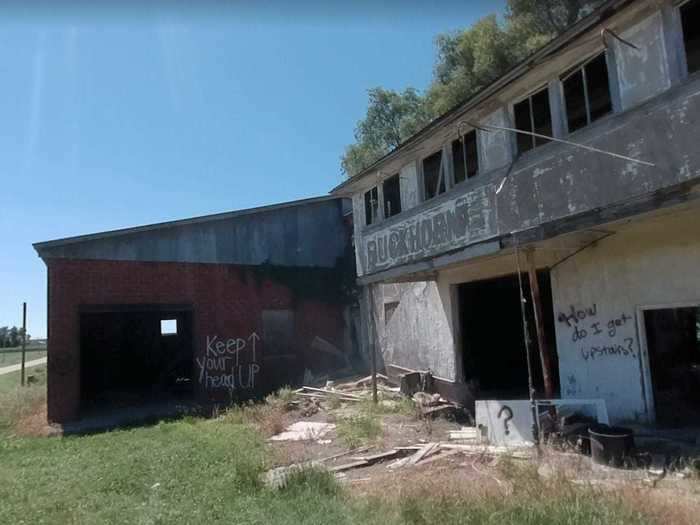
x,y
114,117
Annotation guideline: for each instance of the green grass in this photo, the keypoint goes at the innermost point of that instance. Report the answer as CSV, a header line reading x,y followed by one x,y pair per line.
x,y
13,356
359,429
208,471
12,380
199,471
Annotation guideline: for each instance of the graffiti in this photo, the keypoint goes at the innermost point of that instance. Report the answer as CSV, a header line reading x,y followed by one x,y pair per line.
x,y
625,350
223,367
571,387
454,224
601,337
574,316
505,409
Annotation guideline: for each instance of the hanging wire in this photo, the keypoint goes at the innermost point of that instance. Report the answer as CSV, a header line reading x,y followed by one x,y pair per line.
x,y
486,127
526,333
605,31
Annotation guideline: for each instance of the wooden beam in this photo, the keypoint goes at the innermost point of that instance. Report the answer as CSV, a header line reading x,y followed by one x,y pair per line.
x,y
545,356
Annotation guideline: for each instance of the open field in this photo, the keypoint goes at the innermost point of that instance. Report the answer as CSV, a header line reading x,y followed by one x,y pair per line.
x,y
13,356
197,470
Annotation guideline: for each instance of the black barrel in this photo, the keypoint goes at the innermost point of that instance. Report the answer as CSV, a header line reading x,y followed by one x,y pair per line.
x,y
610,445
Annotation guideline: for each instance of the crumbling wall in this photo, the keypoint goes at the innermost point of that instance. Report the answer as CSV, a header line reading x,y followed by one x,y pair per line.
x,y
413,328
597,296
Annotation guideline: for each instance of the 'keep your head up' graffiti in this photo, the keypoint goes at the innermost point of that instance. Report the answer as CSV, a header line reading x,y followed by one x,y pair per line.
x,y
230,364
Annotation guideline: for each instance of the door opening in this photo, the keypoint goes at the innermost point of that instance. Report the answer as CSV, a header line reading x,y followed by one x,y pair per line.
x,y
135,355
673,346
493,344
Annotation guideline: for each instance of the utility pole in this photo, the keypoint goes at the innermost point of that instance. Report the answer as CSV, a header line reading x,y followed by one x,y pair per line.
x,y
24,338
545,357
373,343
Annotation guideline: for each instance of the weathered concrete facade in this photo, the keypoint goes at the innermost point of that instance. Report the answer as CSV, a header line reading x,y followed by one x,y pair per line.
x,y
260,297
562,207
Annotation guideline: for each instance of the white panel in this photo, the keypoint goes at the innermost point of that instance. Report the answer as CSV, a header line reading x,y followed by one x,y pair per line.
x,y
642,72
496,149
409,186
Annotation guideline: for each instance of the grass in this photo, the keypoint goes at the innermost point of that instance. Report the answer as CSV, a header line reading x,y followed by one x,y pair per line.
x,y
359,429
13,356
197,470
17,403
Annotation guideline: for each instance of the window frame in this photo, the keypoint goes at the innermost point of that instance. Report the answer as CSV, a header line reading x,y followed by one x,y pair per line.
x,y
166,330
544,87
581,67
443,172
375,215
679,10
460,140
397,177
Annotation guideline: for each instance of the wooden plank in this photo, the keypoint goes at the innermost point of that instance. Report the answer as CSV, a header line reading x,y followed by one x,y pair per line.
x,y
330,392
348,466
373,458
347,452
545,355
439,456
424,452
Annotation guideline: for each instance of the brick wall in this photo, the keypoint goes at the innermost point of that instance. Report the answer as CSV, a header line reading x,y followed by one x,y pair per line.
x,y
226,301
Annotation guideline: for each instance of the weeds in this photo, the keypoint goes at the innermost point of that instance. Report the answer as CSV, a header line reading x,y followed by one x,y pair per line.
x,y
23,409
311,479
357,430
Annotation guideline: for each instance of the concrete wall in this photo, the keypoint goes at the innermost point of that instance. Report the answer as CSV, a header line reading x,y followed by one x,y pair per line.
x,y
597,296
413,327
308,234
227,304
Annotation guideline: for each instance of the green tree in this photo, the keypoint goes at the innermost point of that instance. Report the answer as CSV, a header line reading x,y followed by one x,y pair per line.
x,y
391,118
467,61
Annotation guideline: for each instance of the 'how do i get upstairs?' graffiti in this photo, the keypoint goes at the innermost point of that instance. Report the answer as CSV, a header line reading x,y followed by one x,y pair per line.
x,y
451,224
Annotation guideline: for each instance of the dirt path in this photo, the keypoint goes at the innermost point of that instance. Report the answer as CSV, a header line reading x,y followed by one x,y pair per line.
x,y
15,368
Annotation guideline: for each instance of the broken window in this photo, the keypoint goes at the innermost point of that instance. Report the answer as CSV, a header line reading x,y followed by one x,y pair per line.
x,y
392,196
168,327
690,14
389,309
533,115
465,157
587,93
371,206
433,175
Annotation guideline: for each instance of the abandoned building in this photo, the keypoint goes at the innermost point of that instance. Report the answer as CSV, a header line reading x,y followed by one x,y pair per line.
x,y
210,309
574,176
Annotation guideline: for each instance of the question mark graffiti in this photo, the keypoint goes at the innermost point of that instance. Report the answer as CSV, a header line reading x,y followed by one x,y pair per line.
x,y
509,416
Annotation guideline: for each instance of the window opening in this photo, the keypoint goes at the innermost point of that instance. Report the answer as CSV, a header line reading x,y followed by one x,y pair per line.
x,y
465,157
371,206
433,175
533,114
392,196
690,14
587,93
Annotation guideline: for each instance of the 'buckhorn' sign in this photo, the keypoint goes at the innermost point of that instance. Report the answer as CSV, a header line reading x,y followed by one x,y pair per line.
x,y
452,224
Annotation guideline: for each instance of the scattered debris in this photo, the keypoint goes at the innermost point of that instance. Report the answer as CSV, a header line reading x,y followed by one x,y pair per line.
x,y
309,407
465,433
303,431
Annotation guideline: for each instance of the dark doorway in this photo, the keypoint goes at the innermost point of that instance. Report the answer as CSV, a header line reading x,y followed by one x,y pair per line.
x,y
673,343
493,341
130,357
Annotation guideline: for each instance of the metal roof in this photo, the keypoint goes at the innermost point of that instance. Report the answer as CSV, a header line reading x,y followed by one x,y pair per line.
x,y
39,246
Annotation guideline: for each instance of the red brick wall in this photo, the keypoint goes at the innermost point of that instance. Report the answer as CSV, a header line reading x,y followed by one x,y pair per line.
x,y
226,302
